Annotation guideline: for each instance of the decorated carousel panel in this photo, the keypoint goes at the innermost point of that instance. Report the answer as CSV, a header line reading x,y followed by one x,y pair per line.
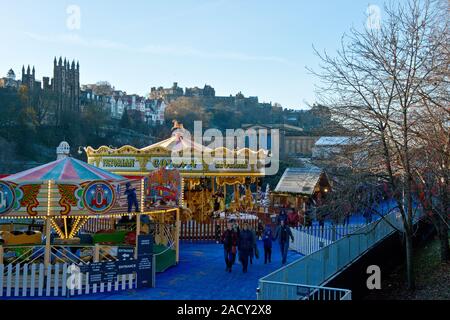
x,y
65,187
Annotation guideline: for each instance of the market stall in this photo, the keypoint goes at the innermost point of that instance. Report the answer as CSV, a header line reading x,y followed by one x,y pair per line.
x,y
299,191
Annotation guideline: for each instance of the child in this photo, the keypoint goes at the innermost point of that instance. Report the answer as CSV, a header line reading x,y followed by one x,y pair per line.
x,y
131,198
267,239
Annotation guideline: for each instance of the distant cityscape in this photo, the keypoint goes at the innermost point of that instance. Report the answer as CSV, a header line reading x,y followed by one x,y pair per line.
x,y
71,95
299,129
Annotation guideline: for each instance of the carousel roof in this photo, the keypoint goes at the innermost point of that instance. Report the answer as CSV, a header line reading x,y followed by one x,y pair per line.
x,y
66,169
176,143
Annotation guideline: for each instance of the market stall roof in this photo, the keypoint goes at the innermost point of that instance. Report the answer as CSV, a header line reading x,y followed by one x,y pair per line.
x,y
66,169
299,180
336,141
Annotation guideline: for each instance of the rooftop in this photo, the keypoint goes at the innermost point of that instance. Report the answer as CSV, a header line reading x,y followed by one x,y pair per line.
x,y
299,180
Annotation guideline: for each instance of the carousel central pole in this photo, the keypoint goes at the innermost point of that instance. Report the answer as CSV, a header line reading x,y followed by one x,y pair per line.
x,y
48,227
138,218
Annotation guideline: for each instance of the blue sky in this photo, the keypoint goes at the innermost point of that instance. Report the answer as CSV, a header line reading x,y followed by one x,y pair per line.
x,y
258,47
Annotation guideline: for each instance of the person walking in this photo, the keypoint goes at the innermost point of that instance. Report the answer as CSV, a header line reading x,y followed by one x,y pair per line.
x,y
293,219
368,215
230,242
267,240
218,233
236,230
260,230
245,246
254,251
346,218
283,233
282,216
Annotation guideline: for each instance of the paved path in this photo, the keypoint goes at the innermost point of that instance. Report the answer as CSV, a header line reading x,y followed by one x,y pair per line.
x,y
201,275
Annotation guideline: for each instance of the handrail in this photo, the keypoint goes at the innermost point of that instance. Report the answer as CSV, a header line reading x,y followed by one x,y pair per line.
x,y
316,268
307,286
296,291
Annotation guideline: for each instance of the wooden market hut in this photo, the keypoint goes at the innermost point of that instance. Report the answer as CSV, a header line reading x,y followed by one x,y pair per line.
x,y
300,188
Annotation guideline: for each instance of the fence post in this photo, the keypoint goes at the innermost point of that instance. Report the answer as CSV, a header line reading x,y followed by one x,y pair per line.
x,y
47,255
96,252
177,235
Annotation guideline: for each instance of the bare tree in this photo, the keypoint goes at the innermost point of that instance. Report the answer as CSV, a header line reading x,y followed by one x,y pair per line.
x,y
432,133
374,87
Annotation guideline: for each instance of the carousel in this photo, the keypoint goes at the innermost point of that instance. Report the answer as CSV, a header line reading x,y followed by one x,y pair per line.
x,y
73,212
209,189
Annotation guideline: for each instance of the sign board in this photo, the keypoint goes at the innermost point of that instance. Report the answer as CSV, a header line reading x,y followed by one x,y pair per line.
x,y
95,272
125,253
184,164
108,271
145,245
126,267
145,271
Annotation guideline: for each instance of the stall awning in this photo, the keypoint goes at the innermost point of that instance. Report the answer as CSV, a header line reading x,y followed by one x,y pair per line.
x,y
299,180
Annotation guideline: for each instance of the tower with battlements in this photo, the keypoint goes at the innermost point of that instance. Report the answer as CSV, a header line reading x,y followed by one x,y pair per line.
x,y
66,84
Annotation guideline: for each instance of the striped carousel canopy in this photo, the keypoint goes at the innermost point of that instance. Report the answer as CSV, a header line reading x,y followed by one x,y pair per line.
x,y
66,169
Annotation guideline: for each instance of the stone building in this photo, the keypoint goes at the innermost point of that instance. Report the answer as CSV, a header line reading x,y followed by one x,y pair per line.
x,y
167,94
10,80
293,141
29,79
66,85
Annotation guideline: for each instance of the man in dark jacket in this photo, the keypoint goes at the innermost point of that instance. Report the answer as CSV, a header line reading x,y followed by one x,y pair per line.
x,y
283,233
230,241
282,216
236,230
245,246
267,240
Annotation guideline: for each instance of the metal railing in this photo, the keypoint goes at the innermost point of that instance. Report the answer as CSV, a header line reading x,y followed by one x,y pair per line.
x,y
291,291
318,267
308,240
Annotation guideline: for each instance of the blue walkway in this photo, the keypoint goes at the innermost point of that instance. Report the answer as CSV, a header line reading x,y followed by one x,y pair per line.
x,y
381,209
201,275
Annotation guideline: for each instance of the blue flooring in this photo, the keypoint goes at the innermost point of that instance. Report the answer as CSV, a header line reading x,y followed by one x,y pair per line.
x,y
381,209
200,275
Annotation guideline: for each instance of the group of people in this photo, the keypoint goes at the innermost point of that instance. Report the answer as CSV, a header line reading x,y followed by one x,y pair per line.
x,y
243,243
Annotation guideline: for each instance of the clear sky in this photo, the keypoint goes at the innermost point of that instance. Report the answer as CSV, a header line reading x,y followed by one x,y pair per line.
x,y
255,46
